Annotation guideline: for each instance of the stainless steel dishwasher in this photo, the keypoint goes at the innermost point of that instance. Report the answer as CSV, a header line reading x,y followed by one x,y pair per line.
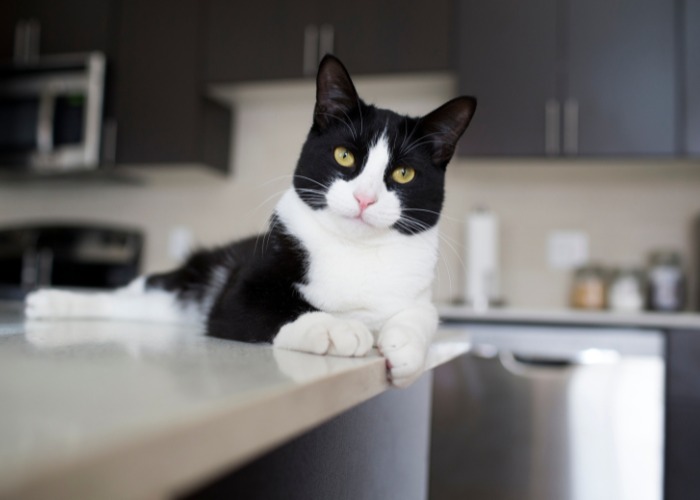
x,y
544,413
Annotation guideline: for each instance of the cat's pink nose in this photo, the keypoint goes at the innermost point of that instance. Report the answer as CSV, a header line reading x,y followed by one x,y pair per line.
x,y
364,200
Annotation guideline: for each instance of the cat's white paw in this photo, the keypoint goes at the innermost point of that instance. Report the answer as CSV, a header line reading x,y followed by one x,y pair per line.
x,y
44,304
322,333
405,355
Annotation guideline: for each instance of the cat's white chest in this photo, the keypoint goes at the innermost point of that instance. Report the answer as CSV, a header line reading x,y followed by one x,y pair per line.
x,y
368,281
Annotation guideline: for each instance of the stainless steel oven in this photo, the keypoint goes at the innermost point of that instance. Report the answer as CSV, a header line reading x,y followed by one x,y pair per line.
x,y
51,113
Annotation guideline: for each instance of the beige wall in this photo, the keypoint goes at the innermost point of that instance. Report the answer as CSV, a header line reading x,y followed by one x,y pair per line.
x,y
628,208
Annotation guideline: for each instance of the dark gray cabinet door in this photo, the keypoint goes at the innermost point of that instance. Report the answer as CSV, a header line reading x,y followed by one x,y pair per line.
x,y
259,41
161,114
391,36
255,40
692,78
620,78
508,55
66,25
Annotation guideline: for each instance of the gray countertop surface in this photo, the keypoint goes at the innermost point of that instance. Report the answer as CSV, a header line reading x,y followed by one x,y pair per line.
x,y
95,409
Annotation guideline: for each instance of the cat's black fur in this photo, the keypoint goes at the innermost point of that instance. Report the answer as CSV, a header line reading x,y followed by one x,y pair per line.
x,y
258,293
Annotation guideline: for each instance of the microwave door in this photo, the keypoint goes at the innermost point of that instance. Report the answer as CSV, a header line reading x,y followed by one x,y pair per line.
x,y
19,122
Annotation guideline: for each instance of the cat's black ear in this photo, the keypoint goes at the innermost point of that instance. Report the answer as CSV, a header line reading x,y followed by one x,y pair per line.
x,y
335,93
445,125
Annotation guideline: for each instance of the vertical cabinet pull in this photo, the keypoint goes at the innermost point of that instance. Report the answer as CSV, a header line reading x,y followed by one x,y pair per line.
x,y
27,41
327,40
571,127
310,61
552,125
318,41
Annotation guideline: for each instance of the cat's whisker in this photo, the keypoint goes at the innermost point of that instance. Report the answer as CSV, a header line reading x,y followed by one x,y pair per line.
x,y
268,200
275,179
421,141
311,180
347,122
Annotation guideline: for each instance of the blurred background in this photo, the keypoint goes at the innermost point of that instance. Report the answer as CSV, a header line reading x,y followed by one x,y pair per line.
x,y
132,131
187,123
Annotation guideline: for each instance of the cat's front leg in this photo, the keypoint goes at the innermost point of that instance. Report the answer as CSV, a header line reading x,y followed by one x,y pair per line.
x,y
323,333
404,341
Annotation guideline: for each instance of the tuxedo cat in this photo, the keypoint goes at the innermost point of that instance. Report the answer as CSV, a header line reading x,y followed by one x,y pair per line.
x,y
348,260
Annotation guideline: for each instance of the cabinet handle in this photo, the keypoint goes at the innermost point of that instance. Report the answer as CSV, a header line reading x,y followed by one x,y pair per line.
x,y
27,41
109,142
310,62
571,127
327,40
552,118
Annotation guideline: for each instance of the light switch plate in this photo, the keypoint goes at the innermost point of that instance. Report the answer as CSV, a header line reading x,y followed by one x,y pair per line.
x,y
567,249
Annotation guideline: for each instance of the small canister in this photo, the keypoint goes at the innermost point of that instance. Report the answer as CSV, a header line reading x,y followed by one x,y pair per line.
x,y
626,291
666,282
589,288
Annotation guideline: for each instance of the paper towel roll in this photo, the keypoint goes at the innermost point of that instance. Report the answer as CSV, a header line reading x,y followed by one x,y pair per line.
x,y
482,259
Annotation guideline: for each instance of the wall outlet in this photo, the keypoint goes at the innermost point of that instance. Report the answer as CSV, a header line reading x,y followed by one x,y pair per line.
x,y
567,249
180,243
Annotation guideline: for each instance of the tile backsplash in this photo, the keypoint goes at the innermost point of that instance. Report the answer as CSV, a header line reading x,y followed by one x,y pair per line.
x,y
627,208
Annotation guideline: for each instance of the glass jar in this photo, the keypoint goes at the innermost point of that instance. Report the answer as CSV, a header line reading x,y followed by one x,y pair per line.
x,y
626,291
589,288
666,282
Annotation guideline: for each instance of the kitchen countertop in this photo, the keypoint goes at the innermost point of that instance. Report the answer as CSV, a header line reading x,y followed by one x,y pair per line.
x,y
120,410
573,317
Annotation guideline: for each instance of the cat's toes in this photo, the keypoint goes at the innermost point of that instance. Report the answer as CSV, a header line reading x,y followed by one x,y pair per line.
x,y
405,356
349,338
321,333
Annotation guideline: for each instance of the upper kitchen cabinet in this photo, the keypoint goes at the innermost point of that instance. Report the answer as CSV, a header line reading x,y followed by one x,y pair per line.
x,y
691,110
620,89
60,27
391,36
508,54
569,77
282,39
160,113
155,110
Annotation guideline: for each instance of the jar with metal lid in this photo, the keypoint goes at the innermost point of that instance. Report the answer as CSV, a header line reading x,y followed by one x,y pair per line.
x,y
589,288
666,282
626,291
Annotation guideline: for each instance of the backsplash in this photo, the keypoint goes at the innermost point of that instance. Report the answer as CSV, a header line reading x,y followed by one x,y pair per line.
x,y
627,208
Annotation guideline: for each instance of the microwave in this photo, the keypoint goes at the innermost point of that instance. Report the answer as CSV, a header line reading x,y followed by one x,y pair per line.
x,y
51,113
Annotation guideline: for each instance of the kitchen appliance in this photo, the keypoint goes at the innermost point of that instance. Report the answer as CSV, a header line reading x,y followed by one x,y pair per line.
x,y
550,413
67,255
51,113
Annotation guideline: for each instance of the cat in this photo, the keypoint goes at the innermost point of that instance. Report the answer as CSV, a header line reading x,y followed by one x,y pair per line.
x,y
348,260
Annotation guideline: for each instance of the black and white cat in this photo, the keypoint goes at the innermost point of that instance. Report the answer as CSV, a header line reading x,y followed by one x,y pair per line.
x,y
348,260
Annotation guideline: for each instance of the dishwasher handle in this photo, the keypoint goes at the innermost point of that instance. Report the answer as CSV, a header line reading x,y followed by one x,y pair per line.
x,y
522,362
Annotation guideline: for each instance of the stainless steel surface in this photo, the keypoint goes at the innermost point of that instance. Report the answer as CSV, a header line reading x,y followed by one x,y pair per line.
x,y
550,413
552,117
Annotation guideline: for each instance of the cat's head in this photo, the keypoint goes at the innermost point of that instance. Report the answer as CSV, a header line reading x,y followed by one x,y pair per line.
x,y
370,170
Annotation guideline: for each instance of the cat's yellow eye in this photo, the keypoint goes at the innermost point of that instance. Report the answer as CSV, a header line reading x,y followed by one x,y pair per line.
x,y
344,157
403,175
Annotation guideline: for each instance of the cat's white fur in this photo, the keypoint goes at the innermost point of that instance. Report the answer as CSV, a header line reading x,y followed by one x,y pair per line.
x,y
362,270
372,283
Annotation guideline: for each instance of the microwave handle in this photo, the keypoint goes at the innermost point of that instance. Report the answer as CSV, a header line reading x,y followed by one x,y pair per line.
x,y
44,125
